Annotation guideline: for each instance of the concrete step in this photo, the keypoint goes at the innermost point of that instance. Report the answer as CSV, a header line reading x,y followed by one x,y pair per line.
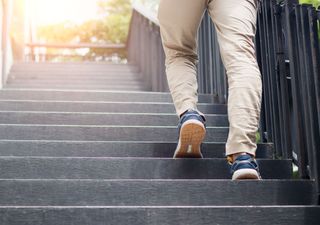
x,y
76,77
177,215
43,67
76,82
65,95
112,149
68,86
155,193
101,133
71,118
74,71
101,106
130,168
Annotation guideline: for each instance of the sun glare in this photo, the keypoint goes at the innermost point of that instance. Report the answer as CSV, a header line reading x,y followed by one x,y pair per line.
x,y
46,12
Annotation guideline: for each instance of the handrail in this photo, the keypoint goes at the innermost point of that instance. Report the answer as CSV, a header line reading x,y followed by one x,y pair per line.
x,y
145,49
140,8
75,46
36,55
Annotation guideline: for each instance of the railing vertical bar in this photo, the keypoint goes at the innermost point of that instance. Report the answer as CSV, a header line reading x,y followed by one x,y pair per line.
x,y
263,66
284,94
314,82
210,56
298,146
273,84
305,86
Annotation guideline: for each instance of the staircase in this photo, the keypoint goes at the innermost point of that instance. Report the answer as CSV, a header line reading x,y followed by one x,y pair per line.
x,y
86,144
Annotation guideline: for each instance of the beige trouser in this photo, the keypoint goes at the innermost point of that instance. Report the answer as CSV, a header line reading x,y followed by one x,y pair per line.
x,y
235,22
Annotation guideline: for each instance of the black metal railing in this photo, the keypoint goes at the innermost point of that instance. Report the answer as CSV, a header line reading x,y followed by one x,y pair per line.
x,y
145,49
289,57
211,73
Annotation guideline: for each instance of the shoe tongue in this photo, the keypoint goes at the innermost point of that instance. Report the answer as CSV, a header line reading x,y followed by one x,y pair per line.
x,y
243,157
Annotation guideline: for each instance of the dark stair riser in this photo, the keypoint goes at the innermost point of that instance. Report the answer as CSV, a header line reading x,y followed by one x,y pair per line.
x,y
66,66
101,133
8,94
76,87
46,67
103,107
162,215
154,193
132,79
78,83
117,74
131,168
112,149
101,119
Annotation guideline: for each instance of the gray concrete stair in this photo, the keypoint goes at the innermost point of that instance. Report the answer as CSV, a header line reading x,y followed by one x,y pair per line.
x,y
84,143
74,76
101,106
69,86
87,95
151,215
72,118
101,133
100,192
130,168
112,149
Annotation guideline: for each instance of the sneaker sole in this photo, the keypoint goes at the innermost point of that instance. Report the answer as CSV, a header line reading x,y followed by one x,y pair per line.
x,y
192,134
246,174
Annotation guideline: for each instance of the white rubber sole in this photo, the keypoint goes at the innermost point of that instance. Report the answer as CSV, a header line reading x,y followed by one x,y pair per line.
x,y
246,174
192,134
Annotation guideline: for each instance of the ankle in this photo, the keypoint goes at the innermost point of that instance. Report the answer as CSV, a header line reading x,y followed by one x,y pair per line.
x,y
233,157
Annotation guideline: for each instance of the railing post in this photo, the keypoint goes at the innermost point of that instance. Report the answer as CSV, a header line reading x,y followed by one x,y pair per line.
x,y
7,57
281,70
314,88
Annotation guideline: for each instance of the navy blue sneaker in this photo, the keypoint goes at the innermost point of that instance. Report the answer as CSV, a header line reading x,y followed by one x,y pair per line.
x,y
245,167
192,131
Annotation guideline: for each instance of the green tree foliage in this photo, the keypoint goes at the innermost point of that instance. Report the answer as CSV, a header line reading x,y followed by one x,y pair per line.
x,y
112,27
315,3
117,14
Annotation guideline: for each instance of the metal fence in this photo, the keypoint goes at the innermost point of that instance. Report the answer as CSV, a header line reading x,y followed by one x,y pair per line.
x,y
211,72
289,58
145,49
61,52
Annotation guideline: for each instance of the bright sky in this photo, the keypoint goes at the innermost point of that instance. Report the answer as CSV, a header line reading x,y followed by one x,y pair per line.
x,y
55,11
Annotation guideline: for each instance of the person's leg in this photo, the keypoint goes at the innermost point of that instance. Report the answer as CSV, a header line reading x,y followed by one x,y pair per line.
x,y
235,22
179,22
